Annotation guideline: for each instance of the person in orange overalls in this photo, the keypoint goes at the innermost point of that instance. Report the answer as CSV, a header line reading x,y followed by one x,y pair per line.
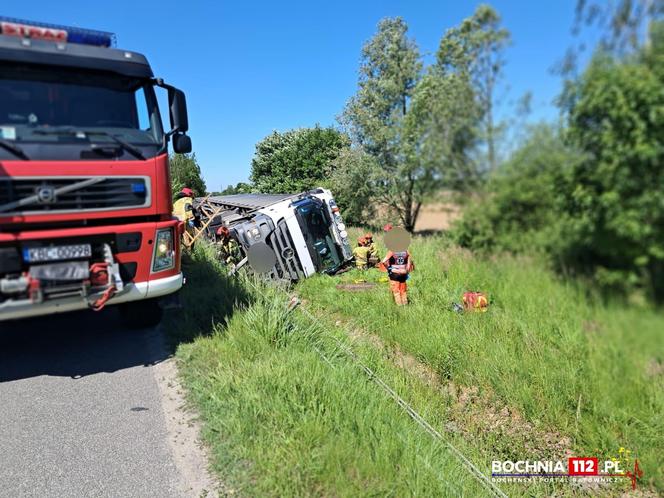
x,y
398,266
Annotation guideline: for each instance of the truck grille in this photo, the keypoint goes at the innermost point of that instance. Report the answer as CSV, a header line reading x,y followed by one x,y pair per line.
x,y
287,261
39,196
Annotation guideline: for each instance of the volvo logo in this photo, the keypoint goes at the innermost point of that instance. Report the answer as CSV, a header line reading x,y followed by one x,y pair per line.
x,y
46,194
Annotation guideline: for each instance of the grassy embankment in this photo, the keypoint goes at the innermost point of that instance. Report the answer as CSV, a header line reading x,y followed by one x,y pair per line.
x,y
547,370
282,421
542,373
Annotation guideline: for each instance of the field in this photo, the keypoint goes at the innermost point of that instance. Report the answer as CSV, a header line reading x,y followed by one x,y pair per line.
x,y
547,372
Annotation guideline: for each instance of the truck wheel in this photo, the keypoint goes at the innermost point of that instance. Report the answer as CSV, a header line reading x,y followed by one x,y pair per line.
x,y
141,314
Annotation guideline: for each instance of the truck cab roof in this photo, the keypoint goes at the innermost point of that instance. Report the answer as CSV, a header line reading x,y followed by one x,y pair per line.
x,y
77,55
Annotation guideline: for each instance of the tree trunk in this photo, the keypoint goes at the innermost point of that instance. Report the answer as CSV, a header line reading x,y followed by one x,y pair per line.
x,y
490,135
490,139
410,214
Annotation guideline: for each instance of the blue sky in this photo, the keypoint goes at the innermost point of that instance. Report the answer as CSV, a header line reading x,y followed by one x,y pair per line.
x,y
252,67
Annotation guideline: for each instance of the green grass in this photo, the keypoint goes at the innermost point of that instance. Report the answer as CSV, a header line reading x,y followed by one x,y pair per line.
x,y
282,421
545,370
571,373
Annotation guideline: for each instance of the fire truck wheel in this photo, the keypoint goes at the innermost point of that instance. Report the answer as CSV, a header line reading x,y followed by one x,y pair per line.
x,y
141,314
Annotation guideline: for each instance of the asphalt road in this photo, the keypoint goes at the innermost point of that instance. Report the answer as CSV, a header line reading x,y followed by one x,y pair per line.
x,y
81,411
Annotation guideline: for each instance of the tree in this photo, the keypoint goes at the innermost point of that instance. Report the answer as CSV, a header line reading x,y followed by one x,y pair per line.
x,y
295,160
185,172
613,202
440,130
624,27
239,188
623,24
474,50
389,71
353,182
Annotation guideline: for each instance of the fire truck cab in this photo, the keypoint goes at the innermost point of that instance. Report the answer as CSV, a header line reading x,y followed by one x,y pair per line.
x,y
85,196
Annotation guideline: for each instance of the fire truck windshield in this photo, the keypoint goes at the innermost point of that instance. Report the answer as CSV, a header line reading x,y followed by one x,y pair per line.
x,y
36,102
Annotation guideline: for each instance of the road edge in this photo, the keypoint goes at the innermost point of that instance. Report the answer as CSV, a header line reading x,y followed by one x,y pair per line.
x,y
190,455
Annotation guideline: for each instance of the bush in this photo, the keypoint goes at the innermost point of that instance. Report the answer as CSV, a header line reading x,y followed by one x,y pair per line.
x,y
612,202
594,202
516,211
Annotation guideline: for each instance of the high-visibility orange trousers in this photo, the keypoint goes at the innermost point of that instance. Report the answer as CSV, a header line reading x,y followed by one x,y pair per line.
x,y
399,291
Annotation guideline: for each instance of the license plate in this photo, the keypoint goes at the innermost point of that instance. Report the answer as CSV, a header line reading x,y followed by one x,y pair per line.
x,y
69,271
56,253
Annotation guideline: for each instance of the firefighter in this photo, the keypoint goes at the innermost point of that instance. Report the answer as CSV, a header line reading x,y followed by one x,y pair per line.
x,y
183,207
373,258
229,249
398,266
361,253
183,210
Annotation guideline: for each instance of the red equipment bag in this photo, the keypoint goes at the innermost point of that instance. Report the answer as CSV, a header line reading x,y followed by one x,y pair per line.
x,y
475,301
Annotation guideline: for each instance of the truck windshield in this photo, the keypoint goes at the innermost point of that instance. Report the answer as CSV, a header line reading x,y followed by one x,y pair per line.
x,y
36,100
316,230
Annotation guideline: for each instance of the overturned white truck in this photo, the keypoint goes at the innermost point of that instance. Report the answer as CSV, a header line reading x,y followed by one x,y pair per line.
x,y
305,231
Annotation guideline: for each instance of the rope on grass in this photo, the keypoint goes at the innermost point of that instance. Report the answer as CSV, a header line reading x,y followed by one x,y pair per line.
x,y
477,473
419,419
455,488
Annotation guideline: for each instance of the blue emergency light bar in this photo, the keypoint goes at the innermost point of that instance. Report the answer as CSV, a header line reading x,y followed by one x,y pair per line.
x,y
56,33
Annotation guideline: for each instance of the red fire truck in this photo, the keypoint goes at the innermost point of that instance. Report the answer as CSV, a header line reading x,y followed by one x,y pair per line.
x,y
85,196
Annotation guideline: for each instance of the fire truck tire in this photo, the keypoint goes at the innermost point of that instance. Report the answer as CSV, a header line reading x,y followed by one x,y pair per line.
x,y
141,314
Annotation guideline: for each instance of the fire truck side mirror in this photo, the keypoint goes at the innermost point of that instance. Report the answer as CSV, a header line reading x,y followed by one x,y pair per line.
x,y
181,143
177,104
